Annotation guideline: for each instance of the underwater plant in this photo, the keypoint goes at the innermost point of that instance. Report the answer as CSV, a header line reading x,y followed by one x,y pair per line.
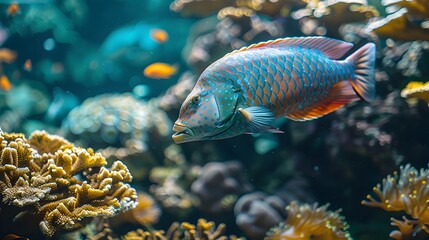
x,y
46,180
406,190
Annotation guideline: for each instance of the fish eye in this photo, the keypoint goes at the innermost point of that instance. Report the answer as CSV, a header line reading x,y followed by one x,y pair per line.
x,y
196,99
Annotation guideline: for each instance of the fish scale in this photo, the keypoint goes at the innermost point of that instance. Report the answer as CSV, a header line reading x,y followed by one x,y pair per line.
x,y
299,78
303,81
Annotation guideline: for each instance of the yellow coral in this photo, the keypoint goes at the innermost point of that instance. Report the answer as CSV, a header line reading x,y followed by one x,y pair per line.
x,y
59,183
419,8
404,191
306,222
417,90
407,23
398,26
202,231
235,12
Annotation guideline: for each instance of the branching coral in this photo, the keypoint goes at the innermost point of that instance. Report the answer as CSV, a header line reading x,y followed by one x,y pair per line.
x,y
325,17
202,231
408,20
406,191
310,222
50,179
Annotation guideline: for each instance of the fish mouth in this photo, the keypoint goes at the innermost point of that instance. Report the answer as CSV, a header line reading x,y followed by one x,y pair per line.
x,y
182,133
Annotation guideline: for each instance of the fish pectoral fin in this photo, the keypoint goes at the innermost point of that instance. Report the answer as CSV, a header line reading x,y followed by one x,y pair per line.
x,y
260,119
339,95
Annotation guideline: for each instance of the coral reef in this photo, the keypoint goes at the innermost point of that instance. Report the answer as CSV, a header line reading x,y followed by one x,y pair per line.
x,y
408,57
256,213
45,17
325,17
97,52
417,90
49,180
184,231
406,21
19,101
231,32
98,229
146,213
176,94
218,185
117,120
170,188
305,221
120,127
370,132
405,191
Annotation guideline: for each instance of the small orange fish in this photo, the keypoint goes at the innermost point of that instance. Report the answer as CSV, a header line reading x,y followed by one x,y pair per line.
x,y
160,70
159,35
13,9
28,65
7,55
5,83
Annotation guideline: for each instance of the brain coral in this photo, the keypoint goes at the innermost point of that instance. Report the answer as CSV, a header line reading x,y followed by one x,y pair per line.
x,y
117,120
48,180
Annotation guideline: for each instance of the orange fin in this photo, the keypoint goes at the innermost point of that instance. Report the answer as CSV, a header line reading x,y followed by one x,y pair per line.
x,y
363,61
340,94
332,48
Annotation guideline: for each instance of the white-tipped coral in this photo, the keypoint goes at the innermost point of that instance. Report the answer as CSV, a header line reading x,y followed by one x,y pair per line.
x,y
417,90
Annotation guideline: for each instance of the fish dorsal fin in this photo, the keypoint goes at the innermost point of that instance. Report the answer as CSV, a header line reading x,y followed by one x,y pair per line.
x,y
340,94
332,48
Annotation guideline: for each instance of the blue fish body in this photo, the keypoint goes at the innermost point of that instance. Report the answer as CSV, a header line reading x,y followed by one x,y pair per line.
x,y
299,78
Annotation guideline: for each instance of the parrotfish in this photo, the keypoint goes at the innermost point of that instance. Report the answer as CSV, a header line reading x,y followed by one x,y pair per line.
x,y
300,78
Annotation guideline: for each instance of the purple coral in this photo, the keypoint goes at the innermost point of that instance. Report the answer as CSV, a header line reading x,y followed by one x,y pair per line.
x,y
256,213
218,184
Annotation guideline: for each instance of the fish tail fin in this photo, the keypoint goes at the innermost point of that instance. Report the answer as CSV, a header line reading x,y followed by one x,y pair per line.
x,y
363,61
